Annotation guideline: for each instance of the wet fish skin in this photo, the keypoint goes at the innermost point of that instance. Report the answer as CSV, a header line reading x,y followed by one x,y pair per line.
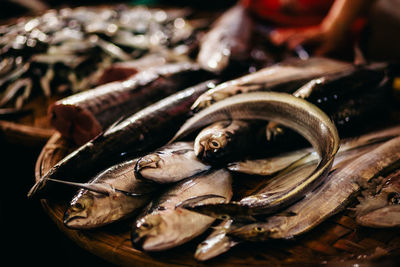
x,y
89,209
285,77
326,200
132,136
229,37
296,113
225,141
84,115
217,242
171,163
270,165
297,166
164,225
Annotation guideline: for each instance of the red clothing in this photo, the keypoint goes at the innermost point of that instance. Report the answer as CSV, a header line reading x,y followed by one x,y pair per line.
x,y
289,12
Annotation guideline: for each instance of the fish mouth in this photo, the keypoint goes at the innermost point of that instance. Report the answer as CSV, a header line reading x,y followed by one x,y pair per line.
x,y
149,161
72,221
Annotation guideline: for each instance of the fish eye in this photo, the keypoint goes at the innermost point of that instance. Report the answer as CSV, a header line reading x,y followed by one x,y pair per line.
x,y
145,225
214,144
258,229
78,206
202,244
224,217
394,199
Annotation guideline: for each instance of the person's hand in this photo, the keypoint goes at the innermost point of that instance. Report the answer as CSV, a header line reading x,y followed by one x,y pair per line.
x,y
323,40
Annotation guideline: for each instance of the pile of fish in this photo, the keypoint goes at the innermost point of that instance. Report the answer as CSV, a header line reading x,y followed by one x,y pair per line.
x,y
164,148
70,50
170,166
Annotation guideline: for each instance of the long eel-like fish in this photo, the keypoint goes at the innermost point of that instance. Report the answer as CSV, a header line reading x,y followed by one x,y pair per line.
x,y
295,113
83,116
131,137
330,198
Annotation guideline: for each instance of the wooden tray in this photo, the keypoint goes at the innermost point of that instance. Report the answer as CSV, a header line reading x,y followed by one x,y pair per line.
x,y
337,240
32,129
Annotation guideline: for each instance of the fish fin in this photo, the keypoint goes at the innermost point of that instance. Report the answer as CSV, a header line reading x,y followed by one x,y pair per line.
x,y
104,189
190,202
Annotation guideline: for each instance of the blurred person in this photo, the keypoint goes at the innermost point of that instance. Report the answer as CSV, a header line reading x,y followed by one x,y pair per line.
x,y
328,26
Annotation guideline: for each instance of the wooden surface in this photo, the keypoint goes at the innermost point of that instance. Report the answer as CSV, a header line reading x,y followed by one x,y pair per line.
x,y
338,240
32,129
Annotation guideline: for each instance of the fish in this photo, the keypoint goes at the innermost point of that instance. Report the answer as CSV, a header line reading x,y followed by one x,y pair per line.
x,y
274,164
299,164
348,98
63,57
89,209
171,163
132,136
228,38
225,141
286,76
326,200
379,204
164,225
284,108
218,241
271,165
84,115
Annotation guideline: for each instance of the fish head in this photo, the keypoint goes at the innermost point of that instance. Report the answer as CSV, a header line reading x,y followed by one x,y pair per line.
x,y
149,161
148,227
214,246
252,232
87,210
78,211
212,146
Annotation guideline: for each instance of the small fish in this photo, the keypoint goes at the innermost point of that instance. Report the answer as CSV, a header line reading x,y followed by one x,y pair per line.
x,y
171,163
165,225
91,209
326,200
225,141
217,242
132,137
85,115
381,207
228,38
285,77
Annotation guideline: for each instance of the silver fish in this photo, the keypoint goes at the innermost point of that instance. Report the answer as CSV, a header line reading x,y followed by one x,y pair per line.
x,y
89,209
225,141
171,163
165,225
285,181
228,38
285,76
330,198
381,207
282,108
217,242
272,165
